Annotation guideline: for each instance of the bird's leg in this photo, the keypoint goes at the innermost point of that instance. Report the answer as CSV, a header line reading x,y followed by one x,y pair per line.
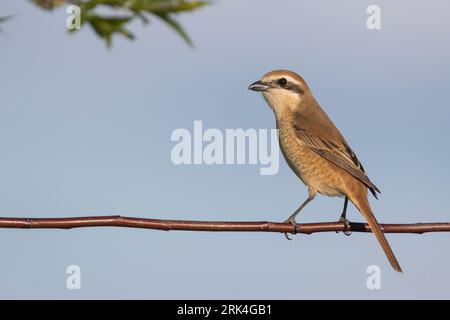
x,y
344,219
291,218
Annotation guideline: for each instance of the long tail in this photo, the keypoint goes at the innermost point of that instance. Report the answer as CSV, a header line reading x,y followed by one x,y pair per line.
x,y
362,203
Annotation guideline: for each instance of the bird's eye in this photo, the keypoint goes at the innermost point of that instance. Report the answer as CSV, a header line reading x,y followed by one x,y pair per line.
x,y
282,82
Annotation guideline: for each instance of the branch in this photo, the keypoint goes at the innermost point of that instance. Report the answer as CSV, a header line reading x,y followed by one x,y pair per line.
x,y
243,226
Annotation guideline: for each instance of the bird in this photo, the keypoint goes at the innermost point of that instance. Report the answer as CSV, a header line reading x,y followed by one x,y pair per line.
x,y
317,152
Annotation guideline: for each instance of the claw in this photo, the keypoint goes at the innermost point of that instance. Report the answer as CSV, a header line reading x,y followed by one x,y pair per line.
x,y
347,226
286,235
294,224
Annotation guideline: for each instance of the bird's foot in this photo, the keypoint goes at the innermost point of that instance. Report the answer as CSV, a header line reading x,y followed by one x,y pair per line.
x,y
292,222
347,225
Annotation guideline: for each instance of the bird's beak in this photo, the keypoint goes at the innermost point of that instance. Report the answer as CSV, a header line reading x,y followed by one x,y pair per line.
x,y
259,86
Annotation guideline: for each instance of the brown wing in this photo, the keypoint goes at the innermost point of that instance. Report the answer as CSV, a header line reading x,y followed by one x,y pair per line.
x,y
339,153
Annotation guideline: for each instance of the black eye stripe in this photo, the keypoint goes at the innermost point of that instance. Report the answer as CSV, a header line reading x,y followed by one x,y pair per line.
x,y
287,85
294,87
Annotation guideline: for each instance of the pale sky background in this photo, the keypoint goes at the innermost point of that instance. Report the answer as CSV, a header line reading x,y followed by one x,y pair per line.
x,y
86,131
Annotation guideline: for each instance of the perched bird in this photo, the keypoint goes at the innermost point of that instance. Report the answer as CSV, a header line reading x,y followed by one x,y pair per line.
x,y
316,151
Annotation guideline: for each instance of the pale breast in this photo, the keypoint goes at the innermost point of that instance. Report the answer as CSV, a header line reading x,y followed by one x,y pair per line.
x,y
315,171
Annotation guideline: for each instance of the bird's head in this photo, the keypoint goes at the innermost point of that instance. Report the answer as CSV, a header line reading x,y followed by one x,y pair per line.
x,y
282,89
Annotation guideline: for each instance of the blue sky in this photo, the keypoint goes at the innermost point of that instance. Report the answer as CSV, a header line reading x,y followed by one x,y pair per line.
x,y
86,131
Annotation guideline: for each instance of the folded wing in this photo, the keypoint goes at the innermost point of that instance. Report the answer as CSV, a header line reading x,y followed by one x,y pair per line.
x,y
338,153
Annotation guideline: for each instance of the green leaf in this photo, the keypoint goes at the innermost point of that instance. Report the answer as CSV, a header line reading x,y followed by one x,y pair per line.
x,y
141,16
123,11
161,6
4,19
49,4
106,27
176,26
183,6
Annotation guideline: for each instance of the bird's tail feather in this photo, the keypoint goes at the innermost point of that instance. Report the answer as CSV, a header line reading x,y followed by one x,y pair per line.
x,y
364,207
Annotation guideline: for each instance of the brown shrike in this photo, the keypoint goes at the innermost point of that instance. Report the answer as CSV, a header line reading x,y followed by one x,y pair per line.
x,y
316,151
